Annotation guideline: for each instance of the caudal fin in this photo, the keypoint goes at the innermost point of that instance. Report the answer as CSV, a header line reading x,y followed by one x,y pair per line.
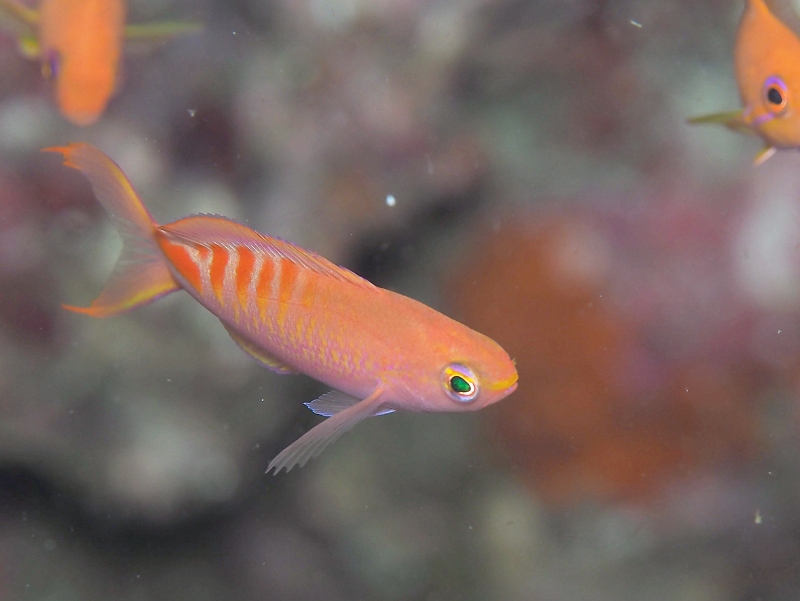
x,y
141,274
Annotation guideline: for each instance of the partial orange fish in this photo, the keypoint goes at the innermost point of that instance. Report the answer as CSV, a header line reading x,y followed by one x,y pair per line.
x,y
79,43
767,61
295,311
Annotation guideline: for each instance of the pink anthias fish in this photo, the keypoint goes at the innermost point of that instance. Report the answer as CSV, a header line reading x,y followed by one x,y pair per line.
x,y
296,312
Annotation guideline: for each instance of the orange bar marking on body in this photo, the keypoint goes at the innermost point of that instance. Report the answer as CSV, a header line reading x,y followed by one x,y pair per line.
x,y
289,273
181,259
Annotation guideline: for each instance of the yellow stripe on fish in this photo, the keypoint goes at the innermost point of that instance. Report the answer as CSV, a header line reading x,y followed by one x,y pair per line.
x,y
295,311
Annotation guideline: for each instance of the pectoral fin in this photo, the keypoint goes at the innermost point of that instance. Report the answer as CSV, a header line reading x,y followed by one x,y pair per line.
x,y
20,12
259,354
732,120
158,32
313,442
334,402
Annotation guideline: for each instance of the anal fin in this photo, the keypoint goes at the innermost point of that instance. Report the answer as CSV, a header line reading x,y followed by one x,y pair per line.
x,y
259,354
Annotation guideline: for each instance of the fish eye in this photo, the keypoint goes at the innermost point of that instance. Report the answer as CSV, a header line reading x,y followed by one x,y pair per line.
x,y
776,95
460,383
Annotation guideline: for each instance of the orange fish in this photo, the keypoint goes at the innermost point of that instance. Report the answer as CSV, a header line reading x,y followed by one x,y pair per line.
x,y
295,311
79,43
767,61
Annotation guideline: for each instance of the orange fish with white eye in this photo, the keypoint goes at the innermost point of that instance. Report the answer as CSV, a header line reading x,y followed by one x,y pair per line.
x,y
767,62
79,43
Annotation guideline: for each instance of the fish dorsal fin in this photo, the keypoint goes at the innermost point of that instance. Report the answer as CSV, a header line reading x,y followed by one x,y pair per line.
x,y
206,230
333,402
259,354
313,442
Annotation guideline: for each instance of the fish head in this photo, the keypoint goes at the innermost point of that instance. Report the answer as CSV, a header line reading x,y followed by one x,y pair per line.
x,y
773,113
768,75
467,373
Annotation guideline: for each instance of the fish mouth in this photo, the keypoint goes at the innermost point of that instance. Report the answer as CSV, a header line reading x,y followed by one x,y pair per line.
x,y
508,386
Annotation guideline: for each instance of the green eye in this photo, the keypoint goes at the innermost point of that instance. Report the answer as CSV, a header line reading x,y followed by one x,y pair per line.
x,y
460,385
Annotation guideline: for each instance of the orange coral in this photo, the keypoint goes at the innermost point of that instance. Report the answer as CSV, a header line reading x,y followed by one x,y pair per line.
x,y
597,415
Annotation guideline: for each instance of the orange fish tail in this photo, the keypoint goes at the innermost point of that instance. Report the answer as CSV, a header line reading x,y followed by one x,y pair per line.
x,y
141,274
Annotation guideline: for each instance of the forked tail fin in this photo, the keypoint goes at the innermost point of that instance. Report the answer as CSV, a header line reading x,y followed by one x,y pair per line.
x,y
141,274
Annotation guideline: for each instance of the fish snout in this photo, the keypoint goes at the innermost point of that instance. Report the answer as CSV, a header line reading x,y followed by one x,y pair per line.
x,y
502,388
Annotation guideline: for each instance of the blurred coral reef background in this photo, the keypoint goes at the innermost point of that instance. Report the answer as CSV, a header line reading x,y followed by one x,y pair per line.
x,y
548,192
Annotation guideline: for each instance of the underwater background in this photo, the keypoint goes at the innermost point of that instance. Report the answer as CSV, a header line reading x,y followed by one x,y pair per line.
x,y
522,166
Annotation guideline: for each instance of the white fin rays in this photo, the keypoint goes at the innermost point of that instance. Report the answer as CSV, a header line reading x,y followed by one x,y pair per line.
x,y
334,402
313,442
